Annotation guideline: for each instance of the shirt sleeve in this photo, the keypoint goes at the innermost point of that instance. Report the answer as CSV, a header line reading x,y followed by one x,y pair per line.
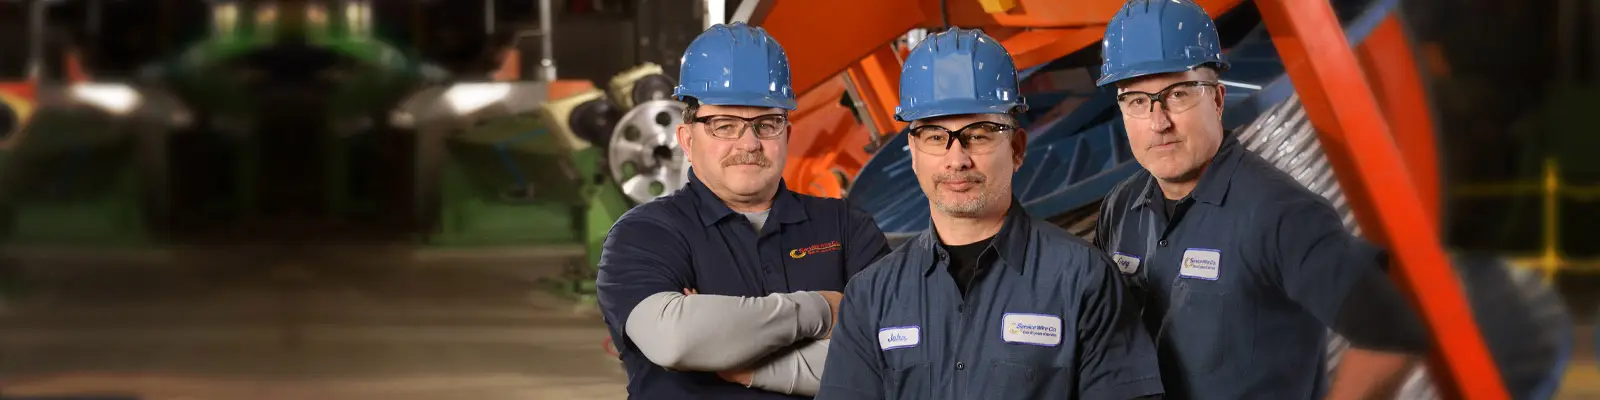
x,y
866,241
639,258
1317,260
797,371
1116,358
855,367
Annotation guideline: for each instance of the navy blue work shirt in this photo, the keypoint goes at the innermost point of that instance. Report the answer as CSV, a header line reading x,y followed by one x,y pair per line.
x,y
1243,280
1049,320
691,239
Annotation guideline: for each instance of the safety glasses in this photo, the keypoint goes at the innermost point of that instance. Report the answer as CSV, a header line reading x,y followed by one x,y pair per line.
x,y
729,127
1177,98
977,138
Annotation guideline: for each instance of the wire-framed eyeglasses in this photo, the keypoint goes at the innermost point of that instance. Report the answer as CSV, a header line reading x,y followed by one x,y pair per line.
x,y
729,127
977,137
1177,98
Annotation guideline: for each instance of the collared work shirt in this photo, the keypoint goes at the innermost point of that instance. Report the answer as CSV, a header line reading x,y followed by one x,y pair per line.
x,y
691,239
1048,320
1243,279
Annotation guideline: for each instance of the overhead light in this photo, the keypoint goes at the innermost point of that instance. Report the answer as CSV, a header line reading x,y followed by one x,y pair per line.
x,y
464,98
115,98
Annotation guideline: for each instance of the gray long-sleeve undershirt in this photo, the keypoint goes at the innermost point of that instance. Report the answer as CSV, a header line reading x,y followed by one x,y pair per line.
x,y
719,333
798,372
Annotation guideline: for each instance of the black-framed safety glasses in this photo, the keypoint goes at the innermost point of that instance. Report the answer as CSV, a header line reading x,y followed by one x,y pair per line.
x,y
977,137
729,127
1178,97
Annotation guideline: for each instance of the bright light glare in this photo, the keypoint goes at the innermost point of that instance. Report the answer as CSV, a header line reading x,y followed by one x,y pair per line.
x,y
115,98
465,98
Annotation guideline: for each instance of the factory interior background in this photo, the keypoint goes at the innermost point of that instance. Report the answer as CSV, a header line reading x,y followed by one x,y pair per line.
x,y
404,199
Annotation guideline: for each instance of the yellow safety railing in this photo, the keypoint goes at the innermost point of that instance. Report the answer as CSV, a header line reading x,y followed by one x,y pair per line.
x,y
1551,259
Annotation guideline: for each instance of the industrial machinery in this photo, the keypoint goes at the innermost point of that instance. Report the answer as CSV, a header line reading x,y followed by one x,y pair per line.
x,y
326,123
1357,89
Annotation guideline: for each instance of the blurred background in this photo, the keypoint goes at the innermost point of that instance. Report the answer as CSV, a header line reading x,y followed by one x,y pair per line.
x,y
403,199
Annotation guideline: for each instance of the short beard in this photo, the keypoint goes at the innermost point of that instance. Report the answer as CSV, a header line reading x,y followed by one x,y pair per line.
x,y
967,208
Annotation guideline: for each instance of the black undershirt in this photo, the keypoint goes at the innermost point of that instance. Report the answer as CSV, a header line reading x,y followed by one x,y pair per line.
x,y
1172,206
966,261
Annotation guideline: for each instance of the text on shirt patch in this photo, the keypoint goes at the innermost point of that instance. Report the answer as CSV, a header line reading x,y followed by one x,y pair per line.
x,y
899,337
1034,329
1127,264
1201,264
814,249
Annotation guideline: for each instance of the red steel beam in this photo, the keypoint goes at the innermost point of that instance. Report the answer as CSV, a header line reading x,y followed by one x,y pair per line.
x,y
1349,122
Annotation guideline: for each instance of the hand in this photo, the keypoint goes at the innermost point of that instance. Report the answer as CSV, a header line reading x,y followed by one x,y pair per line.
x,y
688,292
739,376
833,304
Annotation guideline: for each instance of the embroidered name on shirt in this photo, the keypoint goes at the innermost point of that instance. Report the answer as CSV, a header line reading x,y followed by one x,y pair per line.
x,y
899,337
1201,264
1127,264
1033,329
814,249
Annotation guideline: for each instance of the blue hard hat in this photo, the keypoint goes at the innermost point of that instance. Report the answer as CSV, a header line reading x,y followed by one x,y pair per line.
x,y
958,71
1150,37
735,65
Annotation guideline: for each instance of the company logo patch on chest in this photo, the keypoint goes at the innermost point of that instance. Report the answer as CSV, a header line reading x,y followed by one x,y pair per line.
x,y
1201,264
1034,329
814,249
899,337
1126,263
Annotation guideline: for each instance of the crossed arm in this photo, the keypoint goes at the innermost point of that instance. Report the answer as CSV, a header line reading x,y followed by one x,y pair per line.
x,y
775,342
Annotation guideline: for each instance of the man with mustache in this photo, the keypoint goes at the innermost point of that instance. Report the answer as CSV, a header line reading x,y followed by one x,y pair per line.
x,y
1245,268
988,302
728,287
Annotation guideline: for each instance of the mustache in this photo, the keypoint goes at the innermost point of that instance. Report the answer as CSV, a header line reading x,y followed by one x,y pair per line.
x,y
747,158
969,176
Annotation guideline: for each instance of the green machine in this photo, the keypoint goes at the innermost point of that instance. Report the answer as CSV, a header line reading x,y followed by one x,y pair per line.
x,y
501,164
230,72
85,167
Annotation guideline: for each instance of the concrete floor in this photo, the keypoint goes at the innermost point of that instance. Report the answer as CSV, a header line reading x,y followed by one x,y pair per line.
x,y
248,327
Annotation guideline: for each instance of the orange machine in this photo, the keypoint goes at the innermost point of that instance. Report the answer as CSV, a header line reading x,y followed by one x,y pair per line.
x,y
1359,106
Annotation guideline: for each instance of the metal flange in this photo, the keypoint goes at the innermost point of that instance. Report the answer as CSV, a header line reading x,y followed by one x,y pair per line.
x,y
644,156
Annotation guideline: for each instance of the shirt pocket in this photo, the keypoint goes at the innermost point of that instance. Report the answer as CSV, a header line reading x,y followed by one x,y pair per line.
x,y
1196,331
1010,380
910,382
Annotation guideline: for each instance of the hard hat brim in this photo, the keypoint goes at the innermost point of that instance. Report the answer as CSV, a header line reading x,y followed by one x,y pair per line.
x,y
959,107
1157,67
746,101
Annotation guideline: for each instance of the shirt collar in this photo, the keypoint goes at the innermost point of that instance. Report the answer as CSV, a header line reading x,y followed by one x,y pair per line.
x,y
1011,243
786,207
1214,181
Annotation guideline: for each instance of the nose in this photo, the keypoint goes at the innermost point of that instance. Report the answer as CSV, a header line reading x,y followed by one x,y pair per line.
x,y
748,141
957,158
1160,121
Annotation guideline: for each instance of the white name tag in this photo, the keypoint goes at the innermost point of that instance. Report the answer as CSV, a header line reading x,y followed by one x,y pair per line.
x,y
1127,264
1201,264
1034,329
899,337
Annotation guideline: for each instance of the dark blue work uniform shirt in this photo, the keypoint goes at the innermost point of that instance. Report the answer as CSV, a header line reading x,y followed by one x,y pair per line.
x,y
1243,280
1049,320
691,239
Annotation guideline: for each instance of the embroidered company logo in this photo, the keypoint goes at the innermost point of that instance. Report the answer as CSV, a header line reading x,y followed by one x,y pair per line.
x,y
1033,329
814,249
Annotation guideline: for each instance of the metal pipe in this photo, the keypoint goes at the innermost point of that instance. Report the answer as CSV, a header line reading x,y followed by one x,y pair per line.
x,y
37,11
488,18
93,19
547,60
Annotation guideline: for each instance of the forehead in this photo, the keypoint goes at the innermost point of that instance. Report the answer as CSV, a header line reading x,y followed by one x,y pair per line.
x,y
1154,83
954,122
738,111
